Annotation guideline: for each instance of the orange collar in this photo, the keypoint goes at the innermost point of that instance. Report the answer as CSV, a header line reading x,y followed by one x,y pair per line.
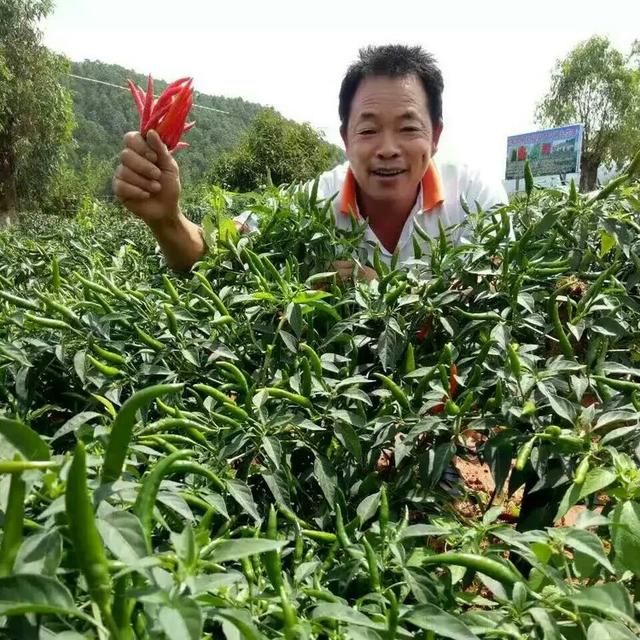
x,y
432,191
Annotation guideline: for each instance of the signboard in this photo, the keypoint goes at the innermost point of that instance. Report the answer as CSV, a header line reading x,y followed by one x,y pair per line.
x,y
550,152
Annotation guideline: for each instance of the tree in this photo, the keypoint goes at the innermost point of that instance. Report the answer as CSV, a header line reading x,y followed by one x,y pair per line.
x,y
277,150
36,118
599,87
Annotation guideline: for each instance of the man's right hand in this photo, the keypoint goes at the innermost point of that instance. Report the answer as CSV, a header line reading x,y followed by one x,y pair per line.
x,y
147,181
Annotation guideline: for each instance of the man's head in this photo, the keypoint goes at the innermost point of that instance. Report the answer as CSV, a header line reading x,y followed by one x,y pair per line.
x,y
391,119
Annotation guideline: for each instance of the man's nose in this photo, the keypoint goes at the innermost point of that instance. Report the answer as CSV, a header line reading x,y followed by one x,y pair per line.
x,y
388,147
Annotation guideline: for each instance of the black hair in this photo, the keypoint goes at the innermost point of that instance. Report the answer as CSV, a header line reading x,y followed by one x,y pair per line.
x,y
393,61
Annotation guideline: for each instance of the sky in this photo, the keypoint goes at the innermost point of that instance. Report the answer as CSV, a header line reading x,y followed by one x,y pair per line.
x,y
496,57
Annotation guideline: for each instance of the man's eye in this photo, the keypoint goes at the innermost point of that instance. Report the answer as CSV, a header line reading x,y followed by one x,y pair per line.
x,y
411,129
366,132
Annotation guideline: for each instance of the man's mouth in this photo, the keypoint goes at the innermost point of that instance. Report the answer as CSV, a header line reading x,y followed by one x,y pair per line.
x,y
387,173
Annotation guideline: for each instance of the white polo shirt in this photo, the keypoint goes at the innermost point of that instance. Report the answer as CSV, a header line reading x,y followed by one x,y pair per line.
x,y
439,199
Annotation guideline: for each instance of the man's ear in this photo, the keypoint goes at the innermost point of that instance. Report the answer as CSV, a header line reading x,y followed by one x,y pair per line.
x,y
343,135
437,132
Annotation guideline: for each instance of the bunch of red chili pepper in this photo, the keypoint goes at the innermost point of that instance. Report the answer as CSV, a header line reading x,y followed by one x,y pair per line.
x,y
168,114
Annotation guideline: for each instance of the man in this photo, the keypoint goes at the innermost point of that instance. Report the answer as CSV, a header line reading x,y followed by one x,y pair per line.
x,y
390,108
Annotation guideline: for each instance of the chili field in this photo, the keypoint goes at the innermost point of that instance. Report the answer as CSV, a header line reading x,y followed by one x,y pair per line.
x,y
256,449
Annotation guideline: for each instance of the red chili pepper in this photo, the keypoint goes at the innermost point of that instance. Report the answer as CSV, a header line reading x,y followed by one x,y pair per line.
x,y
168,114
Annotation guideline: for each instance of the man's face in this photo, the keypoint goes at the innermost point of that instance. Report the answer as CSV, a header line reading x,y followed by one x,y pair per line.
x,y
389,138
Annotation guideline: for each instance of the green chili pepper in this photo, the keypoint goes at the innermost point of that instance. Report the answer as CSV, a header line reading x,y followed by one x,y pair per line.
x,y
477,370
573,193
170,289
190,467
91,285
109,356
314,359
87,544
18,466
289,616
103,368
409,359
319,536
146,500
451,408
275,392
581,471
529,408
227,403
514,361
113,289
305,377
341,533
13,523
122,428
217,302
64,311
487,315
147,339
525,453
372,563
392,614
271,559
482,564
219,418
276,275
563,340
618,385
608,189
417,248
595,288
395,293
394,258
172,320
23,303
234,373
397,393
55,274
49,323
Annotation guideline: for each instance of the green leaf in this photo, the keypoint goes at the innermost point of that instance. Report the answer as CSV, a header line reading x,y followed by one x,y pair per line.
x,y
122,534
243,547
182,620
609,630
390,345
73,423
39,553
29,593
562,407
432,618
24,439
625,535
241,620
343,613
349,439
325,475
546,623
241,493
587,543
368,507
607,242
610,599
596,480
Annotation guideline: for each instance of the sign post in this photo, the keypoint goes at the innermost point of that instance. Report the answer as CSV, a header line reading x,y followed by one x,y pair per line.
x,y
549,152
